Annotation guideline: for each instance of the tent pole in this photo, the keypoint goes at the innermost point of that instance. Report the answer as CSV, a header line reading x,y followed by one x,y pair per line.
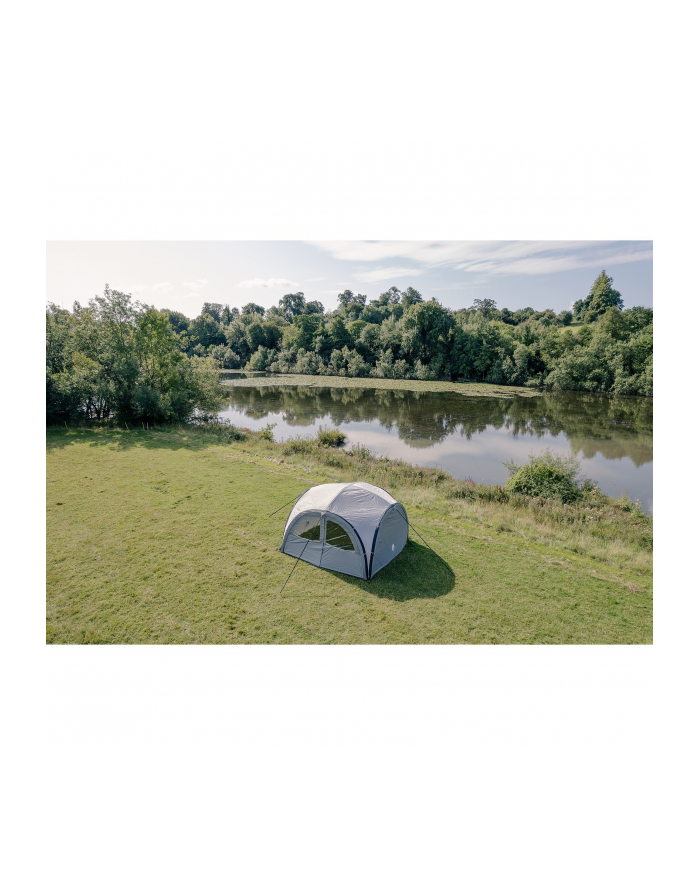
x,y
287,503
295,565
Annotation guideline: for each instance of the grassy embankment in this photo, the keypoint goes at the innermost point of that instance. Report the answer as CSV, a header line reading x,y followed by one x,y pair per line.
x,y
164,537
470,389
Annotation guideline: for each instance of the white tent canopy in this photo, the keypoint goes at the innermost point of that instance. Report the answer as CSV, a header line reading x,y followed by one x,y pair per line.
x,y
354,528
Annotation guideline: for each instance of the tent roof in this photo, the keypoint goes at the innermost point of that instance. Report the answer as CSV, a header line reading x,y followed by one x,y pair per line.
x,y
361,504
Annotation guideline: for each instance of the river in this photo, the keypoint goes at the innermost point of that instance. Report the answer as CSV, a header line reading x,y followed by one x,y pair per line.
x,y
469,436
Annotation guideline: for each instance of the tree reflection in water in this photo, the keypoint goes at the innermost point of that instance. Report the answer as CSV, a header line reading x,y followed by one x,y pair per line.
x,y
614,427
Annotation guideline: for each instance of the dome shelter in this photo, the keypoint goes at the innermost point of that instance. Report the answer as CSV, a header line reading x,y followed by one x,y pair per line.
x,y
354,528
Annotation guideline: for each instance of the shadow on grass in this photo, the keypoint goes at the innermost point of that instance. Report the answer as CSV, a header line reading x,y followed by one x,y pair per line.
x,y
163,438
416,574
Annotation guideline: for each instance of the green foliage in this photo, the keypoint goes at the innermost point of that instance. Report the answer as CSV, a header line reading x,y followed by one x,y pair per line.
x,y
178,321
547,475
485,306
601,297
300,335
330,436
225,357
266,432
261,359
119,358
205,330
396,336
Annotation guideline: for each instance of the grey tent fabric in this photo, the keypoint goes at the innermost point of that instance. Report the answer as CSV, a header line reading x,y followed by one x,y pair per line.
x,y
354,528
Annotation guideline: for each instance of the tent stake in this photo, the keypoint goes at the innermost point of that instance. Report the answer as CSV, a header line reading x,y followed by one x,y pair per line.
x,y
295,564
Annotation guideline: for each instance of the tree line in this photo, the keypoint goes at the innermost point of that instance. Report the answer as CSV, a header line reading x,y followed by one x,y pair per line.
x,y
120,357
598,346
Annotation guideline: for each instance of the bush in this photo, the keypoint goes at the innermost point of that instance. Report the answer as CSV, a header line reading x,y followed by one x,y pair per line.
x,y
330,437
266,433
300,446
547,475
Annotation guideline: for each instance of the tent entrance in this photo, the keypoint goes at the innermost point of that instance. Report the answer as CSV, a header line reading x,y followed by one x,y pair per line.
x,y
326,541
342,548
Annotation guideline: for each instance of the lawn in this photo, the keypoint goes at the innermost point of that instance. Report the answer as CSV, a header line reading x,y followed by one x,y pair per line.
x,y
164,537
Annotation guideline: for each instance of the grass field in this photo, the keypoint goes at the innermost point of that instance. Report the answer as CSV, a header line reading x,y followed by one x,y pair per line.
x,y
164,537
468,389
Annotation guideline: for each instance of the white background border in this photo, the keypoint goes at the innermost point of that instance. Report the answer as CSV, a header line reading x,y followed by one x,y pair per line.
x,y
339,764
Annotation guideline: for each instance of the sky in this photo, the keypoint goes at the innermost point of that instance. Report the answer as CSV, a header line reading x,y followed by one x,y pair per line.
x,y
183,275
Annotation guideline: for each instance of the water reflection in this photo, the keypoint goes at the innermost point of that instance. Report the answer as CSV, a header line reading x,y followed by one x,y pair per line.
x,y
449,429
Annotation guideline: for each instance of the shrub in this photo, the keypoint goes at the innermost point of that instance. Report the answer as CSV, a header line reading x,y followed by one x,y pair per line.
x,y
266,433
299,446
330,437
261,359
546,475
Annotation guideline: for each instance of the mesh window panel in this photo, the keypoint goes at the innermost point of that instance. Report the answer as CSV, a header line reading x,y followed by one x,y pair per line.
x,y
308,528
338,537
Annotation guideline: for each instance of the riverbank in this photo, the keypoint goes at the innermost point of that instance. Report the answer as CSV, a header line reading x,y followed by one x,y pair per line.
x,y
467,389
163,536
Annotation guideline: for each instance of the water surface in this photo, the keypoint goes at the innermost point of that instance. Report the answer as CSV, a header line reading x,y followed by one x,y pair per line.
x,y
469,436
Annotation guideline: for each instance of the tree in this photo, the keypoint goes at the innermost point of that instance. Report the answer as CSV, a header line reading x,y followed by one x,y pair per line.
x,y
300,335
601,297
391,297
484,306
118,357
293,304
205,330
224,357
276,315
252,308
214,310
157,349
339,334
178,321
228,314
426,329
261,359
236,338
346,298
613,323
410,297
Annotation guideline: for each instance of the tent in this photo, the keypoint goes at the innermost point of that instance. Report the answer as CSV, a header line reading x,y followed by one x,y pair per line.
x,y
355,528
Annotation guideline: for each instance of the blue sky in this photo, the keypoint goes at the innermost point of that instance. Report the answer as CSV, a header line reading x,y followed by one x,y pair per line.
x,y
182,275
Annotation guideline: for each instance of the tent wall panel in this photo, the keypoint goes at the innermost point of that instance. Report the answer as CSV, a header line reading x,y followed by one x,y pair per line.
x,y
310,551
391,538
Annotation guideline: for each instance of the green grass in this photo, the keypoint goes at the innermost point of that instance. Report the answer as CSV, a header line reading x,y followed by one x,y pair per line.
x,y
469,389
164,537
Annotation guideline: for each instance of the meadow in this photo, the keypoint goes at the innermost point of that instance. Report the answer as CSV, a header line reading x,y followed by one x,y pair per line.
x,y
164,536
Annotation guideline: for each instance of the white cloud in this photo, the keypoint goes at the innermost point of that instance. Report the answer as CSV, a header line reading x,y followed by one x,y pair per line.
x,y
140,288
386,274
258,282
492,256
196,285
